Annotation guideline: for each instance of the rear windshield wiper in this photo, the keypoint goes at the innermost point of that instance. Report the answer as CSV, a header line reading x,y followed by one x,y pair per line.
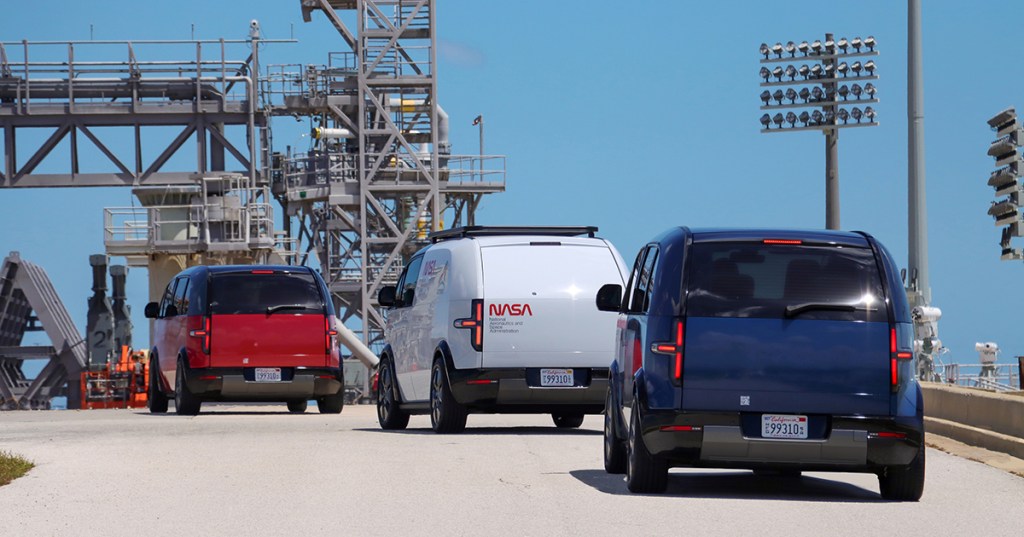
x,y
796,309
272,309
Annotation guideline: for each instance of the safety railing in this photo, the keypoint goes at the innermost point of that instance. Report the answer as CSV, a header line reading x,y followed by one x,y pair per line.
x,y
999,377
82,71
151,228
476,168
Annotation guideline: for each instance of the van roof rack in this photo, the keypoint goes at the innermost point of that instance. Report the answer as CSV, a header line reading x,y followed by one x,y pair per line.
x,y
490,231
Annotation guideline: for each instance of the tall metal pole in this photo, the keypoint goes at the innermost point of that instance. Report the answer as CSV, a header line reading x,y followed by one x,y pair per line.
x,y
480,165
831,152
920,292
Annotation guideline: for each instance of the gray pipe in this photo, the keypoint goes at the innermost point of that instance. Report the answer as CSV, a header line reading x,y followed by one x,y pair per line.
x,y
356,345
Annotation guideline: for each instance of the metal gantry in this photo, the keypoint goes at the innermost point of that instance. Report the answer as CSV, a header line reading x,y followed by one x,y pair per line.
x,y
381,176
378,178
29,303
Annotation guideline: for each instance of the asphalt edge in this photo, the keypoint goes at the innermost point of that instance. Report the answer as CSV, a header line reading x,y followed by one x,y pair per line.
x,y
995,459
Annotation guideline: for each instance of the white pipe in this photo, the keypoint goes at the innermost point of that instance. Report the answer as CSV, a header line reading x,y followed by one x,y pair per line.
x,y
354,344
321,133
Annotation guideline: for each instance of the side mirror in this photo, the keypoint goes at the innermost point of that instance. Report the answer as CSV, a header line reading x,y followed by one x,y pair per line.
x,y
152,310
171,311
609,297
386,296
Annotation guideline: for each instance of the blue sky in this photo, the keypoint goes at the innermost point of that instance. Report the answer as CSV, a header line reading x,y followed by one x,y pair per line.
x,y
636,119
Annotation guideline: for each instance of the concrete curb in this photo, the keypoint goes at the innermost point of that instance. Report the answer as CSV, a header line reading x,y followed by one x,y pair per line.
x,y
994,459
975,436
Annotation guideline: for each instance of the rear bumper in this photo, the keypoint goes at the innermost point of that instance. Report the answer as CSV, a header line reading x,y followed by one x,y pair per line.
x,y
238,384
517,390
719,440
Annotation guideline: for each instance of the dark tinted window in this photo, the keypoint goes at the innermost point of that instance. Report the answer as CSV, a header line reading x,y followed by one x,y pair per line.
x,y
641,295
758,280
180,298
168,298
244,292
407,285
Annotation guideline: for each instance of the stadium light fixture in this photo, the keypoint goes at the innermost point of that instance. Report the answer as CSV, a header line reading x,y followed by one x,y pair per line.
x,y
814,86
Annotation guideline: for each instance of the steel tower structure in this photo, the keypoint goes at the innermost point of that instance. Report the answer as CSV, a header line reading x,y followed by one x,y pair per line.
x,y
380,177
383,175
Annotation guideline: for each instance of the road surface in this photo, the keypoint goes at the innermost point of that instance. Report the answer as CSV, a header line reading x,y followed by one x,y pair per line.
x,y
257,470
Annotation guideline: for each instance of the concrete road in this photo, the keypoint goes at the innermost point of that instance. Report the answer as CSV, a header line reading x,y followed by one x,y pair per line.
x,y
256,470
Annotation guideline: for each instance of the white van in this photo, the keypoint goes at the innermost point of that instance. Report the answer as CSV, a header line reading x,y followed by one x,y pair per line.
x,y
499,319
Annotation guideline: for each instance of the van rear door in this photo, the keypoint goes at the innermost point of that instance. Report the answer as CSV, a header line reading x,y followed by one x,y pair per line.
x,y
270,318
781,326
539,308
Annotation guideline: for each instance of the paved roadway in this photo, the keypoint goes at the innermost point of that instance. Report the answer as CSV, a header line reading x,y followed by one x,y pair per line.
x,y
256,470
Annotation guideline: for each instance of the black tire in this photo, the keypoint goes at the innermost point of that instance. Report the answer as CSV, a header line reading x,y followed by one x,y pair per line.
x,y
614,447
185,403
157,398
645,473
567,421
389,416
331,404
446,414
904,483
298,406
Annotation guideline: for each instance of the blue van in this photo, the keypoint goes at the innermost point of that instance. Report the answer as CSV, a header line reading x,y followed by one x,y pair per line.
x,y
771,350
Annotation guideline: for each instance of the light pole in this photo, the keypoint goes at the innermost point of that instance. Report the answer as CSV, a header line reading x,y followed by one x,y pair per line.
x,y
479,121
826,89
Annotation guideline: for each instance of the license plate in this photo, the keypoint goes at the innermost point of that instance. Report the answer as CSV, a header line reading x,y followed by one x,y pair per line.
x,y
556,377
268,374
783,426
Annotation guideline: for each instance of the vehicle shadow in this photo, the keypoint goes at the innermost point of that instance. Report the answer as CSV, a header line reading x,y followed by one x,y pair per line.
x,y
495,431
739,485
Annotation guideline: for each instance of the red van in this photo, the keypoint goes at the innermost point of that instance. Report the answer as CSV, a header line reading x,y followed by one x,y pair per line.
x,y
245,333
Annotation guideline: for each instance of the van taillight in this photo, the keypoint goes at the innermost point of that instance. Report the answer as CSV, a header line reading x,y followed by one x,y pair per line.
x,y
895,355
673,349
475,324
330,333
205,333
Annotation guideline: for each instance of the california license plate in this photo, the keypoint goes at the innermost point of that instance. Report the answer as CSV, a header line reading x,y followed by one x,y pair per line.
x,y
783,426
268,374
556,377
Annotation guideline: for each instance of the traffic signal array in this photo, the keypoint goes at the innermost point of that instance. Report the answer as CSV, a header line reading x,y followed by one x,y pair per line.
x,y
1006,210
823,85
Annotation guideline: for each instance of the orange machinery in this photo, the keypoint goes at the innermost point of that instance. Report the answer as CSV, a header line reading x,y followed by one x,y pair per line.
x,y
123,384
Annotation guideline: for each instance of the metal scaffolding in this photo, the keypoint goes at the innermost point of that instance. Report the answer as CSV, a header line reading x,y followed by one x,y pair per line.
x,y
379,178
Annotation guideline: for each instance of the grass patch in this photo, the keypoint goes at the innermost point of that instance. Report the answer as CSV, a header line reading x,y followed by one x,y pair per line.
x,y
12,467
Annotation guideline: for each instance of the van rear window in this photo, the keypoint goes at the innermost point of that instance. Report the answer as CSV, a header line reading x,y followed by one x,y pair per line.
x,y
758,280
243,292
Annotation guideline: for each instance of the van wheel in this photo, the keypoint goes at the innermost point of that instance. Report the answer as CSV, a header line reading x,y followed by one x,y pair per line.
x,y
904,483
446,414
614,448
389,416
331,404
645,473
157,397
185,403
567,421
298,407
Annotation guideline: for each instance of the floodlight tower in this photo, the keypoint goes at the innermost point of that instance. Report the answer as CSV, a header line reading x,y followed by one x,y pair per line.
x,y
1006,180
826,89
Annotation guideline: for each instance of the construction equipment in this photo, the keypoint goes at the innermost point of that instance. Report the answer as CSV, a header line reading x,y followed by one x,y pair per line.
x,y
121,384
